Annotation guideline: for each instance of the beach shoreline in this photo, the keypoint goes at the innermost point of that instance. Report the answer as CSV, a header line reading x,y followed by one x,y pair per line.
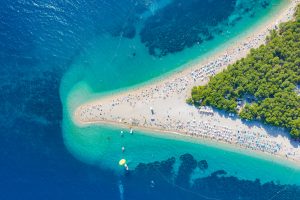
x,y
131,108
169,134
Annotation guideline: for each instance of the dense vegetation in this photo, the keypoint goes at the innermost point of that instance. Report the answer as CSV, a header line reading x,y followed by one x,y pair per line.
x,y
268,78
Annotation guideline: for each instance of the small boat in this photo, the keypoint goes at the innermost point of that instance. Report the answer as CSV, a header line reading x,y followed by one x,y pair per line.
x,y
122,162
126,167
123,149
131,131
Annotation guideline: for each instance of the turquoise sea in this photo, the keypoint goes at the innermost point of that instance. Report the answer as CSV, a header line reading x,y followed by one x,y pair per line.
x,y
59,54
109,64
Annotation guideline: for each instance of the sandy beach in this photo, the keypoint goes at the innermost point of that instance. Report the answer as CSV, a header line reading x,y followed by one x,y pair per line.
x,y
161,105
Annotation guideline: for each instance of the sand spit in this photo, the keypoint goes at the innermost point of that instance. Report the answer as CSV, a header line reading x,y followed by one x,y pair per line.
x,y
161,105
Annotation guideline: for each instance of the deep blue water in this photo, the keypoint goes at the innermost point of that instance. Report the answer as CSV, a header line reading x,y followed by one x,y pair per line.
x,y
38,41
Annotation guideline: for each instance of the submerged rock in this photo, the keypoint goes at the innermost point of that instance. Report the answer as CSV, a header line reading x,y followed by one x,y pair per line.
x,y
203,165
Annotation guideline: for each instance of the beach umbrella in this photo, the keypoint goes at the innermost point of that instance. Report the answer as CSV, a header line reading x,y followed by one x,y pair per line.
x,y
122,162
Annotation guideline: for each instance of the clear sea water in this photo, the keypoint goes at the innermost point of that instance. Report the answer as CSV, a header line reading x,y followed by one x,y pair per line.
x,y
57,54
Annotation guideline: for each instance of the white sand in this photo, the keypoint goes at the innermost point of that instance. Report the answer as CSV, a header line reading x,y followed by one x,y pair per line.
x,y
171,113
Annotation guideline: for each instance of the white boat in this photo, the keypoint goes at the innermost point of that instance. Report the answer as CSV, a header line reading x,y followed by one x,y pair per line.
x,y
126,167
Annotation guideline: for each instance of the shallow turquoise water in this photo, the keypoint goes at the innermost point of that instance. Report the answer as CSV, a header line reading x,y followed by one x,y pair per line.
x,y
40,40
101,145
107,64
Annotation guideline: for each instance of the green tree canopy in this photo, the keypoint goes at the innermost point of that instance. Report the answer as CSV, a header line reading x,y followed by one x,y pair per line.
x,y
270,74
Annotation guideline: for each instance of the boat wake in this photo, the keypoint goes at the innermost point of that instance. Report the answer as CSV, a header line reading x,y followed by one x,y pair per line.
x,y
121,190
